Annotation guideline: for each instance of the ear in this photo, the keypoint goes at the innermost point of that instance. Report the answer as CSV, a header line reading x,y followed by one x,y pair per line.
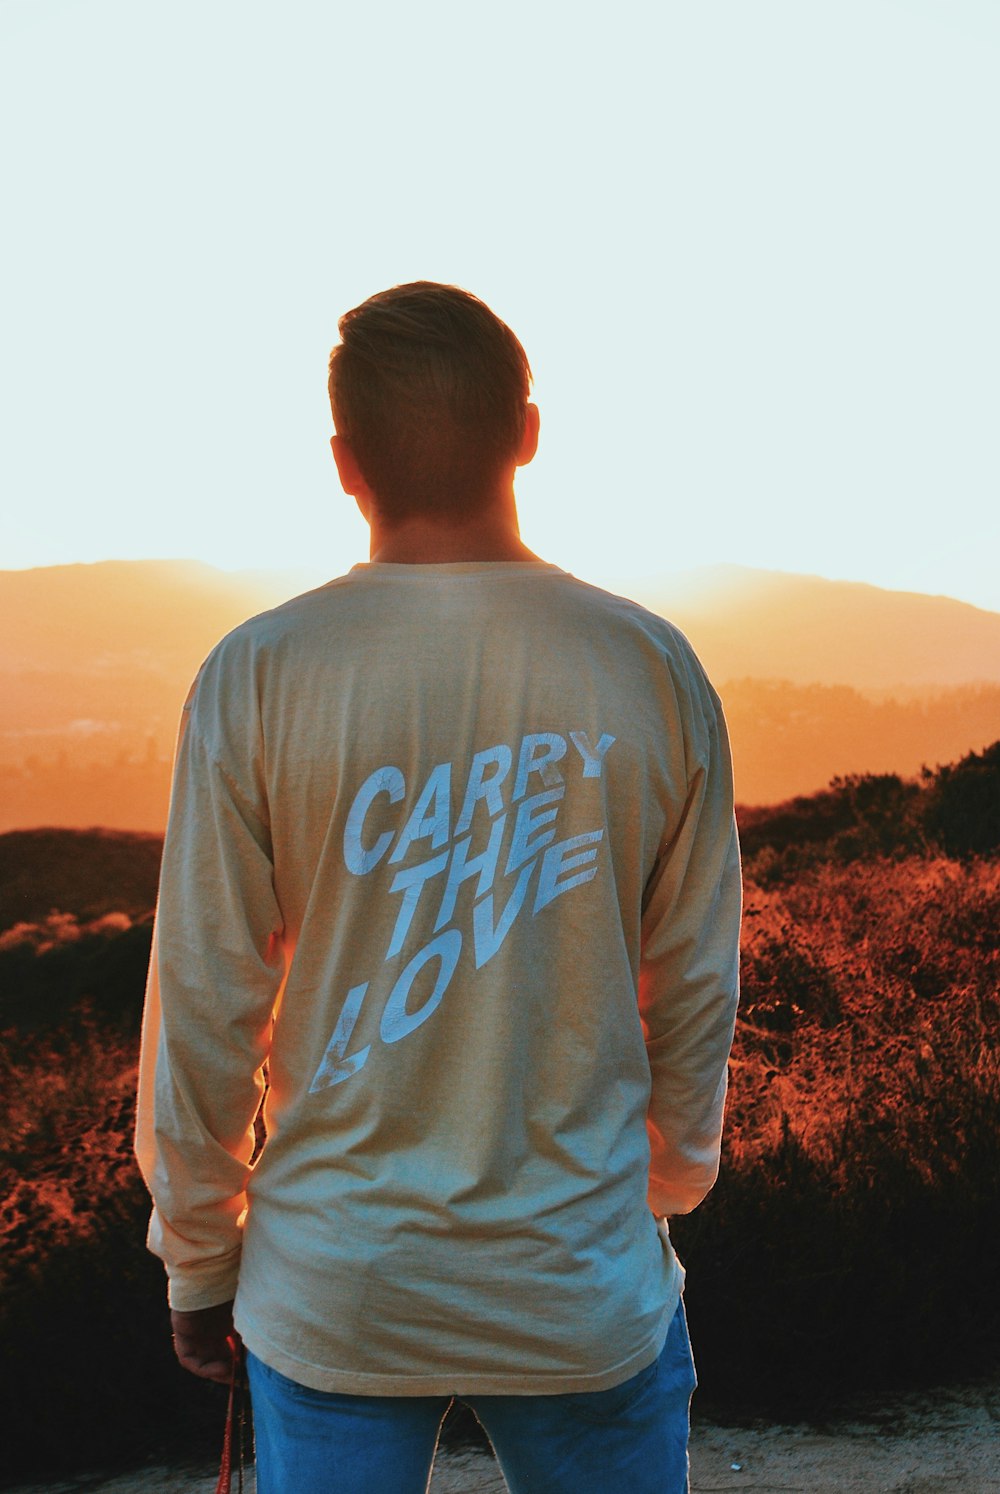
x,y
350,476
347,466
529,441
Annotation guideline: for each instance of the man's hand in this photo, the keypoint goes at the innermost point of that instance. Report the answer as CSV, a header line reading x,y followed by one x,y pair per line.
x,y
206,1341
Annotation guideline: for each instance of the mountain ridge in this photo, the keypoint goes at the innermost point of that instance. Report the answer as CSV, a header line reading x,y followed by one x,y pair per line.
x,y
738,618
846,632
818,677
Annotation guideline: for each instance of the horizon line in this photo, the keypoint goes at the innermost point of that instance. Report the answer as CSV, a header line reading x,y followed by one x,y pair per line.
x,y
611,580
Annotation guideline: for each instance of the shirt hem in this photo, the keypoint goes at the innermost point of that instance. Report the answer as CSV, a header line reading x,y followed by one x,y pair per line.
x,y
456,1382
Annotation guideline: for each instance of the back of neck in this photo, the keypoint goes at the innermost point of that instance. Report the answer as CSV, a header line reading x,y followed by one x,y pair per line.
x,y
493,535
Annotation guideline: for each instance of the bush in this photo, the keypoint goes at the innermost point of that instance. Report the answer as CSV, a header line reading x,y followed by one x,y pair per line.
x,y
849,1243
962,812
87,1375
954,811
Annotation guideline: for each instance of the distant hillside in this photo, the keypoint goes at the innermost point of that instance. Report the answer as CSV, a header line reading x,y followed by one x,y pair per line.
x,y
104,616
84,872
102,655
787,739
117,617
818,677
773,625
953,810
792,739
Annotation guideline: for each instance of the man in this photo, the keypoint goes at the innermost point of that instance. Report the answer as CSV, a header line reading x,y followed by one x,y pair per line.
x,y
451,851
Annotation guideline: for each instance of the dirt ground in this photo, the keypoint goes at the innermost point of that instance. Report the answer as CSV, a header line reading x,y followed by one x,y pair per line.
x,y
945,1443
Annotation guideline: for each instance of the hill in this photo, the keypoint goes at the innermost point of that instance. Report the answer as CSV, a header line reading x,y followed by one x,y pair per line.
x,y
818,678
82,876
792,739
115,616
808,630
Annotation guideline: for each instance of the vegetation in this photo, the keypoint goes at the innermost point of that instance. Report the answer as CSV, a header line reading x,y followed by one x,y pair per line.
x,y
83,872
953,811
849,1243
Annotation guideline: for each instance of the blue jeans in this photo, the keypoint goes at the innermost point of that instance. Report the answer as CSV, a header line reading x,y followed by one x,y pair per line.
x,y
632,1437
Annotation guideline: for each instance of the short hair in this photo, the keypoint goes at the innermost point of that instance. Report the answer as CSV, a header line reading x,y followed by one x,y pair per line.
x,y
431,388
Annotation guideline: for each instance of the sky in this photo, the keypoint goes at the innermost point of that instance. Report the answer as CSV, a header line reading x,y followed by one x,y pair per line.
x,y
750,250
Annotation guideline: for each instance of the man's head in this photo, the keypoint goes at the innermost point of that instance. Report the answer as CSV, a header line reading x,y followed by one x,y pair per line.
x,y
429,391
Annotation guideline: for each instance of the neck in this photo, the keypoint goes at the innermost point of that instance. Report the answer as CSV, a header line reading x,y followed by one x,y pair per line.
x,y
492,535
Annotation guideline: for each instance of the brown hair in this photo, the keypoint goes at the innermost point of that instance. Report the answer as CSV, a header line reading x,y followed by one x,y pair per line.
x,y
430,388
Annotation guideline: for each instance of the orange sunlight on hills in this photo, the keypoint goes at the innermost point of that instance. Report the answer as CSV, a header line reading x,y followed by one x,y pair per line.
x,y
818,678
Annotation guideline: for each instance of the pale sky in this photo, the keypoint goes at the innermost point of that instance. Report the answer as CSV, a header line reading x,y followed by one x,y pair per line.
x,y
751,250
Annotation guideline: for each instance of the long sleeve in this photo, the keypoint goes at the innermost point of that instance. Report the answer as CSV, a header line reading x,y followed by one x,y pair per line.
x,y
689,981
214,976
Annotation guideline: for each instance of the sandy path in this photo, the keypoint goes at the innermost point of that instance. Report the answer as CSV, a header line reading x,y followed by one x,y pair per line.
x,y
946,1443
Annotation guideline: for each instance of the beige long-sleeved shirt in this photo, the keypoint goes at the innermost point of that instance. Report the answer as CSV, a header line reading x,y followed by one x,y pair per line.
x,y
451,849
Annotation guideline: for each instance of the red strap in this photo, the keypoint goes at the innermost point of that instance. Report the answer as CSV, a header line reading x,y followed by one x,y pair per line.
x,y
224,1484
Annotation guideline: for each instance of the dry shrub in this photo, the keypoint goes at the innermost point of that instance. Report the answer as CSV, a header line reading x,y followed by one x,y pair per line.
x,y
87,1375
850,1240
